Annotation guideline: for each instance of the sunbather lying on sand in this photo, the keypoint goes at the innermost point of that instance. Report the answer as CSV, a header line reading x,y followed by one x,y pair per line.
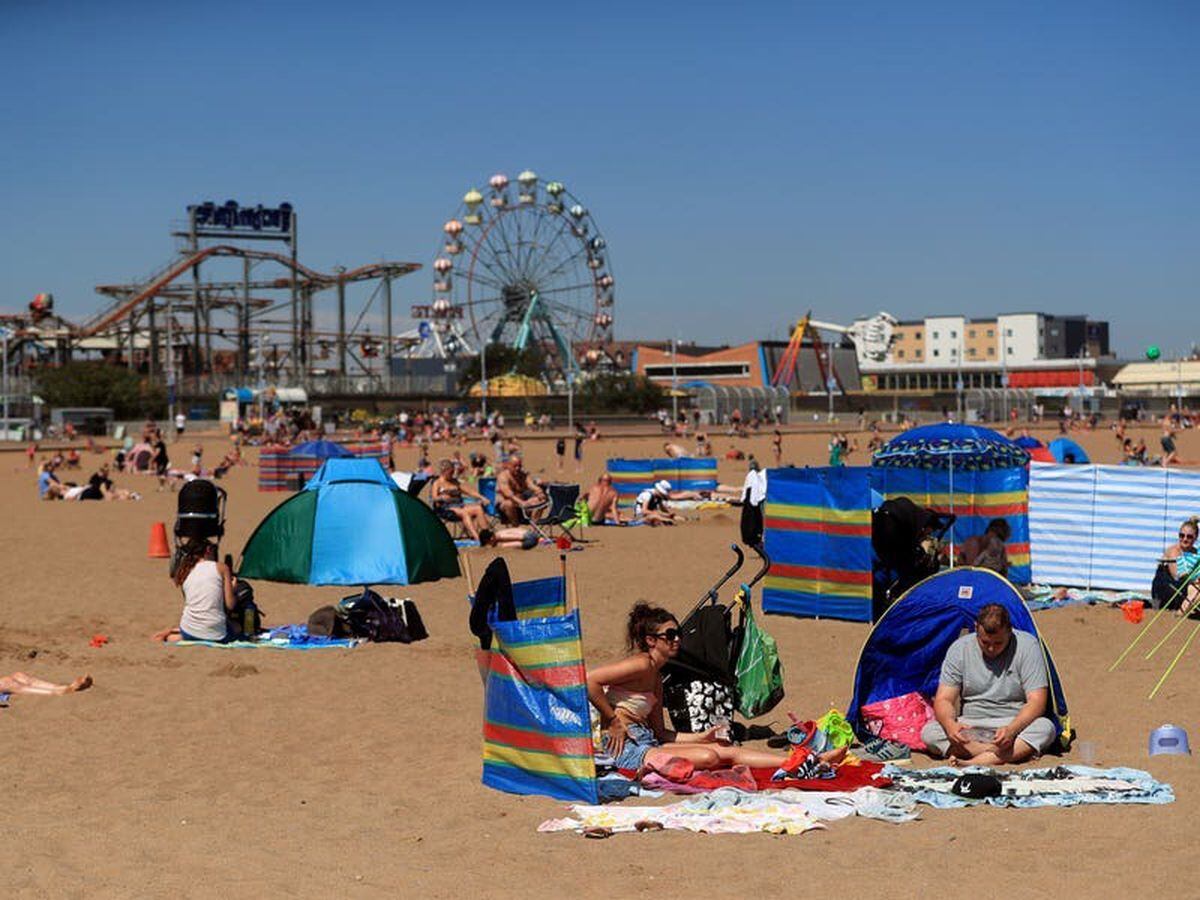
x,y
21,683
629,697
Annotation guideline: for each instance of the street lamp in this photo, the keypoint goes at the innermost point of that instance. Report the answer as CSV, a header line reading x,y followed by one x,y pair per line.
x,y
5,334
674,383
483,387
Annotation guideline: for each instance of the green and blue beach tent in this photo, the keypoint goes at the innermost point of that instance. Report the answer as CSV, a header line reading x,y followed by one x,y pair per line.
x,y
351,525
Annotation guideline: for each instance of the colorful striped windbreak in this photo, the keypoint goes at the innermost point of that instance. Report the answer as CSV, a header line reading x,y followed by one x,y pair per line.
x,y
537,735
818,536
632,476
279,470
977,498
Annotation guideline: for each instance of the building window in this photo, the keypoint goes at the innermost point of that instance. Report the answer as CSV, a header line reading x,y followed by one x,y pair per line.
x,y
1053,332
935,351
953,334
991,351
1010,351
917,352
990,333
970,351
954,351
1008,332
900,354
971,333
918,335
935,335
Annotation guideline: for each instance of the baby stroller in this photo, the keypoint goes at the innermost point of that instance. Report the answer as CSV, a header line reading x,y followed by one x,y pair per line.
x,y
700,684
199,515
900,531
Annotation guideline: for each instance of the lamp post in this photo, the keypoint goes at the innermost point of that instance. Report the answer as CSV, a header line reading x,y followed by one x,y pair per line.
x,y
483,378
674,384
5,334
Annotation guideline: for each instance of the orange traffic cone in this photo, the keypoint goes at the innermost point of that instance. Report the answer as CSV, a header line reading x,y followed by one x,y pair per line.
x,y
158,542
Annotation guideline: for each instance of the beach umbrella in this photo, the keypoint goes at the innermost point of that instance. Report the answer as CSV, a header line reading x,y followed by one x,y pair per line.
x,y
1041,454
320,449
1061,448
350,525
969,448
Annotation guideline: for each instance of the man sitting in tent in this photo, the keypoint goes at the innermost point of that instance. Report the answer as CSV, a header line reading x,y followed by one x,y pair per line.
x,y
998,676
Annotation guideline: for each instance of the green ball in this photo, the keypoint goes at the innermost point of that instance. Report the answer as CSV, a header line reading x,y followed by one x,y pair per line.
x,y
1152,352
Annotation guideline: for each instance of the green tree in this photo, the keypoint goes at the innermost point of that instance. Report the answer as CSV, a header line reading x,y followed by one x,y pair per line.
x,y
502,360
128,394
619,392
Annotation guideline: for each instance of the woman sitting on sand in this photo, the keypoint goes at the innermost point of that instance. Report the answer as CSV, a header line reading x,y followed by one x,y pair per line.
x,y
208,595
1178,563
629,697
21,683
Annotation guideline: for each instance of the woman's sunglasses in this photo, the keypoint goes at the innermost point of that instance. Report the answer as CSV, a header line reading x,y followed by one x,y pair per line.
x,y
671,634
1186,534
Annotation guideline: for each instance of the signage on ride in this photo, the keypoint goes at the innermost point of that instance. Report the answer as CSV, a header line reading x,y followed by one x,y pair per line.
x,y
230,218
432,312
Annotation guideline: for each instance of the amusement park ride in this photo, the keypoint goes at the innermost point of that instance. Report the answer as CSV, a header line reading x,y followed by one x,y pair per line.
x,y
871,337
524,264
521,264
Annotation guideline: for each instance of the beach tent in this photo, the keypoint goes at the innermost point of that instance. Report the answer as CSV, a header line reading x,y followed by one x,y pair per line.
x,y
140,457
1065,450
537,733
320,450
350,525
817,532
905,649
632,476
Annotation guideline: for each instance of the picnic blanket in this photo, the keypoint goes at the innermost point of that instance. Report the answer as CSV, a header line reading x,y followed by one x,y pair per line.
x,y
845,778
283,637
1041,596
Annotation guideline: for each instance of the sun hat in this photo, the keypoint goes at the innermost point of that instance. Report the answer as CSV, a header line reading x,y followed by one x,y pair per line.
x,y
662,487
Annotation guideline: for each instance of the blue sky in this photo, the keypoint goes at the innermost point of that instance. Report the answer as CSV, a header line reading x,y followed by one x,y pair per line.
x,y
745,164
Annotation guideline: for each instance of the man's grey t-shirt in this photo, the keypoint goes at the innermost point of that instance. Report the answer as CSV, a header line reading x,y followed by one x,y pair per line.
x,y
995,688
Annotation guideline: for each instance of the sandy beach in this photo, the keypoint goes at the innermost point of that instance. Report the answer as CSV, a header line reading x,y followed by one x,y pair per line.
x,y
205,772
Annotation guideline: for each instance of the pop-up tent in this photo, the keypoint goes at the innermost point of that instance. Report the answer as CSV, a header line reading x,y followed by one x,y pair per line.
x,y
905,649
350,525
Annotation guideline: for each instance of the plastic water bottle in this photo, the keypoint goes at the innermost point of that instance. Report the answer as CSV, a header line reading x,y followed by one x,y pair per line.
x,y
721,730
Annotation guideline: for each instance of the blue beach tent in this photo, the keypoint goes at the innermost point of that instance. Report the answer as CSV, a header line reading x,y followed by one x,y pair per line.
x,y
905,649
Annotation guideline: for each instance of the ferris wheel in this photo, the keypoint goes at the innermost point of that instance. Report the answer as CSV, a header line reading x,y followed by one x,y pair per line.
x,y
523,265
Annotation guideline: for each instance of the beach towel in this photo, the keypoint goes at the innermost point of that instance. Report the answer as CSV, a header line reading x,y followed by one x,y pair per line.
x,y
1058,786
725,812
284,637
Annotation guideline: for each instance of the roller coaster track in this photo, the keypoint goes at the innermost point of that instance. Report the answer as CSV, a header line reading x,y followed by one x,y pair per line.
x,y
310,279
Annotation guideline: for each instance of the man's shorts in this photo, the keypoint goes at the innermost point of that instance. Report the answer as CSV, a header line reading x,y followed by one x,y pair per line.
x,y
1038,734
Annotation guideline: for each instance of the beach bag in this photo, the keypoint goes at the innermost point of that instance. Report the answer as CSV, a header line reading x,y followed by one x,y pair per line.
x,y
759,671
898,719
245,619
369,617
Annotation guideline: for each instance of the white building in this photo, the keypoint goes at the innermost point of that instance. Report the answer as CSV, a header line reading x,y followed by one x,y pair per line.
x,y
944,339
1022,337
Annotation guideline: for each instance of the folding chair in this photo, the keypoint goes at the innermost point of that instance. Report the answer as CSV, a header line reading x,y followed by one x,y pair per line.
x,y
561,516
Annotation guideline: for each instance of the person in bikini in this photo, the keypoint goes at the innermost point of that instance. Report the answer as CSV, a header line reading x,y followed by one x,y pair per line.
x,y
629,698
448,494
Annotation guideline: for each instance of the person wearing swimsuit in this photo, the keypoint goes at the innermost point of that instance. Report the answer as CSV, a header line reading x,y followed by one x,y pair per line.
x,y
628,695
